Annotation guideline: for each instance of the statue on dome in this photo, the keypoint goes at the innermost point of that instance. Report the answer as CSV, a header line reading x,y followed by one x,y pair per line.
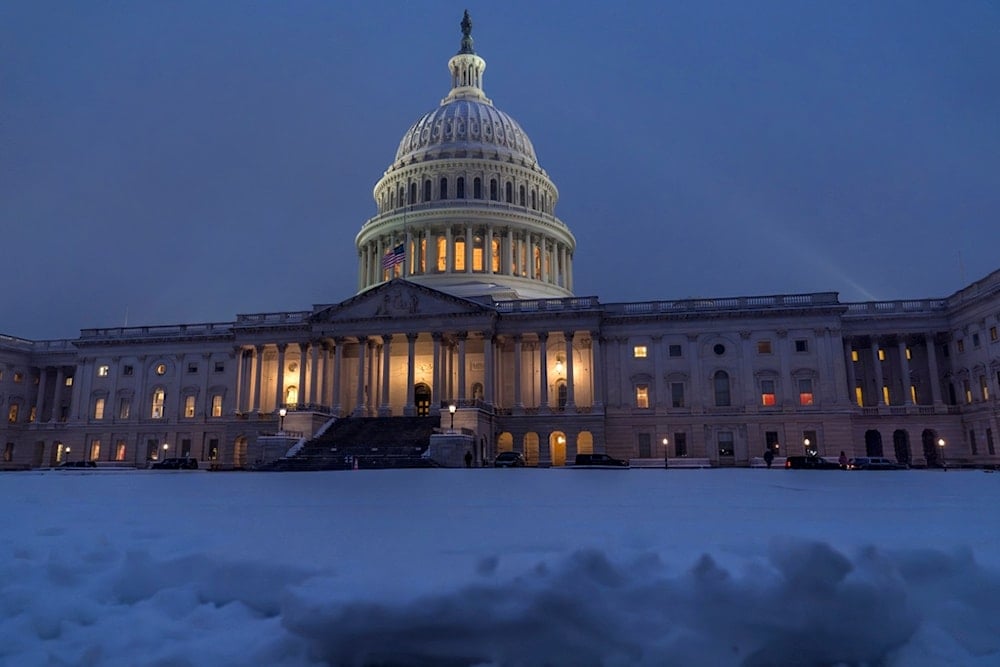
x,y
466,34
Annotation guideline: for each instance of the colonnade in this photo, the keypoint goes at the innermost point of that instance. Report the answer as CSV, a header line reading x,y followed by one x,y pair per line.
x,y
897,378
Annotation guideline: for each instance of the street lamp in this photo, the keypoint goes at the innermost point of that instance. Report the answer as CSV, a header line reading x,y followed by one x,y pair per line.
x,y
281,420
805,443
66,452
165,448
941,443
451,409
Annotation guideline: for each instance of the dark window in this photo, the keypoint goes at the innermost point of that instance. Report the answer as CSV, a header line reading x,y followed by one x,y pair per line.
x,y
444,189
674,350
192,367
719,349
680,444
802,345
521,196
677,394
989,442
771,441
645,448
972,442
721,389
494,190
534,200
427,190
413,193
460,188
812,448
477,188
127,370
975,340
220,366
510,199
185,448
726,443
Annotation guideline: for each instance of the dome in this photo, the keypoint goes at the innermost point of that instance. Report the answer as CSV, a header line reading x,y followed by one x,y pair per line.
x,y
466,128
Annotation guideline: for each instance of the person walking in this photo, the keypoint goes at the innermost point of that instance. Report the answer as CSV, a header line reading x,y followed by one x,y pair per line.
x,y
842,460
468,459
769,457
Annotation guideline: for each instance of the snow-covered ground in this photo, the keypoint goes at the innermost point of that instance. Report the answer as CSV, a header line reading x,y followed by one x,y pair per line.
x,y
500,567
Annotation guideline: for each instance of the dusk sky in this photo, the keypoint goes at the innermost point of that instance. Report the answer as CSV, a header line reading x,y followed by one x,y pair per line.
x,y
182,162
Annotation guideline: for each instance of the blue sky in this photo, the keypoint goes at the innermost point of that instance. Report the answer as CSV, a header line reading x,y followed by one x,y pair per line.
x,y
187,161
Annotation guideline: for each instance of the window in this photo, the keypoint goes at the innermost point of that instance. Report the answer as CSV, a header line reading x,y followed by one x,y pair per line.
x,y
721,382
642,396
95,450
477,188
494,190
220,367
127,370
805,391
192,367
763,347
886,398
520,196
961,346
217,405
881,355
801,345
674,350
213,449
157,407
855,356
677,394
993,334
767,396
975,340
509,192
984,388
8,452
859,396
460,187
719,349
443,194
102,371
124,406
909,355
160,369
186,448
18,377
1,375
99,409
810,443
726,443
120,450
639,351
31,413
645,446
189,406
968,391
68,382
12,413
972,442
427,190
771,442
680,444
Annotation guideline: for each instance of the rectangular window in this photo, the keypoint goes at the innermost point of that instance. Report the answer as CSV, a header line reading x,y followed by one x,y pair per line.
x,y
961,345
994,336
975,340
189,406
680,444
639,352
127,370
192,367
645,446
32,413
213,449
972,442
913,393
220,367
102,371
767,393
801,345
881,355
806,391
809,442
984,388
69,381
18,377
989,442
674,350
157,407
124,406
120,451
677,394
968,391
8,452
855,356
217,405
99,409
12,413
642,396
885,395
909,355
186,448
1,375
152,450
726,443
763,347
95,450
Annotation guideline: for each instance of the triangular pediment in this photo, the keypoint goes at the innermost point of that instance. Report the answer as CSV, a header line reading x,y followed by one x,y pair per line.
x,y
399,299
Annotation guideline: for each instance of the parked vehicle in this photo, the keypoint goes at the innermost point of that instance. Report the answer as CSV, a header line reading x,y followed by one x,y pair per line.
x,y
598,461
509,460
874,463
810,463
78,464
187,463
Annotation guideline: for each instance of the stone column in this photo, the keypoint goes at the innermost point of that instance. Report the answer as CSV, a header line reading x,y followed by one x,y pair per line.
x,y
488,250
904,364
74,398
410,409
509,254
746,368
314,377
436,375
852,378
468,248
935,379
543,255
489,369
518,403
335,387
359,405
543,372
570,392
40,396
449,252
203,407
258,378
879,382
596,369
788,391
279,381
462,337
372,361
61,382
142,408
385,410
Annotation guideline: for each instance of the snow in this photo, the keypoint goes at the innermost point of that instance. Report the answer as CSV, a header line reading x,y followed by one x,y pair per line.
x,y
500,567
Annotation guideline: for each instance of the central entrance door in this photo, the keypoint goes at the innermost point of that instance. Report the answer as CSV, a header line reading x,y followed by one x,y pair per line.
x,y
422,397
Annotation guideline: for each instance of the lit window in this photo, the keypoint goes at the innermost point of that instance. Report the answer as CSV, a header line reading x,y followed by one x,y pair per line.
x,y
102,371
32,413
95,450
726,443
909,355
913,393
160,369
12,413
8,451
642,396
968,391
859,396
763,347
18,377
639,351
984,388
767,392
801,345
961,346
124,406
120,451
460,254
217,405
885,395
69,381
881,355
189,406
806,391
994,336
157,411
99,409
855,356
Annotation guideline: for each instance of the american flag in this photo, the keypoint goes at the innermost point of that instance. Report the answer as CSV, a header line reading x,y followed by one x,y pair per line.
x,y
393,257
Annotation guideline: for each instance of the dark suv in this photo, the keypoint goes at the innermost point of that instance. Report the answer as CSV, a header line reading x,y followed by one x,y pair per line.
x,y
509,460
810,463
187,463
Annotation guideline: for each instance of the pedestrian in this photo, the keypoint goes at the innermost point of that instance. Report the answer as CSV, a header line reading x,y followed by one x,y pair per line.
x,y
468,459
769,457
842,460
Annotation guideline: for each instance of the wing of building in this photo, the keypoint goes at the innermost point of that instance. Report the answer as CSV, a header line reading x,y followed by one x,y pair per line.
x,y
465,318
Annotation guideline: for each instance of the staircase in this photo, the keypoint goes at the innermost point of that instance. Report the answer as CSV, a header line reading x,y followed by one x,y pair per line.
x,y
370,442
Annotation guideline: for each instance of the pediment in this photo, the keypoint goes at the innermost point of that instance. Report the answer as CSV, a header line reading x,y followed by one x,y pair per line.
x,y
399,299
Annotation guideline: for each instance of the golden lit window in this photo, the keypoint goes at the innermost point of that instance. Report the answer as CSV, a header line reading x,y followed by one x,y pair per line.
x,y
805,392
885,395
102,371
95,450
984,387
157,408
859,397
767,396
99,409
994,336
763,347
189,406
160,369
854,355
120,451
913,393
639,351
12,413
460,254
909,355
881,355
442,254
495,258
217,405
968,391
642,396
69,381
18,377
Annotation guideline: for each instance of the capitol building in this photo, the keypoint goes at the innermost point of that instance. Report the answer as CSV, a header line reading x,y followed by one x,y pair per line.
x,y
464,318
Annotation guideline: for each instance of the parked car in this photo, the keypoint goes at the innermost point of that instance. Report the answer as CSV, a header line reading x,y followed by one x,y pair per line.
x,y
810,463
874,463
78,464
598,461
184,463
509,460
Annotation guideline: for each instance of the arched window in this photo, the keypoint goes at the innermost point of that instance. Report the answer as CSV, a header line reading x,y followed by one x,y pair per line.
x,y
510,192
402,196
563,394
534,200
521,199
291,395
427,190
494,191
460,188
477,188
721,380
413,193
444,189
477,391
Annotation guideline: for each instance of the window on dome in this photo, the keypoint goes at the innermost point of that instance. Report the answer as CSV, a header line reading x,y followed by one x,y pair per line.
x,y
521,195
460,188
459,254
442,254
534,200
413,194
402,196
444,189
427,190
494,190
477,188
477,254
510,200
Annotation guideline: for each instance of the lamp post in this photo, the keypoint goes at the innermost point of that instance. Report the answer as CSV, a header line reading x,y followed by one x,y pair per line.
x,y
66,451
451,409
281,420
941,443
165,448
805,444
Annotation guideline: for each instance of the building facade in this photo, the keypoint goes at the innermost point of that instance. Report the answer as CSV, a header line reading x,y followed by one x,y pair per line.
x,y
465,298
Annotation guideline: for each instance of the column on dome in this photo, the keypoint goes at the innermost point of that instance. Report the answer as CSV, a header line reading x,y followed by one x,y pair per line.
x,y
372,385
904,364
543,373
359,389
462,338
543,256
488,250
933,368
449,253
279,377
385,409
468,248
74,397
570,391
508,267
410,409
